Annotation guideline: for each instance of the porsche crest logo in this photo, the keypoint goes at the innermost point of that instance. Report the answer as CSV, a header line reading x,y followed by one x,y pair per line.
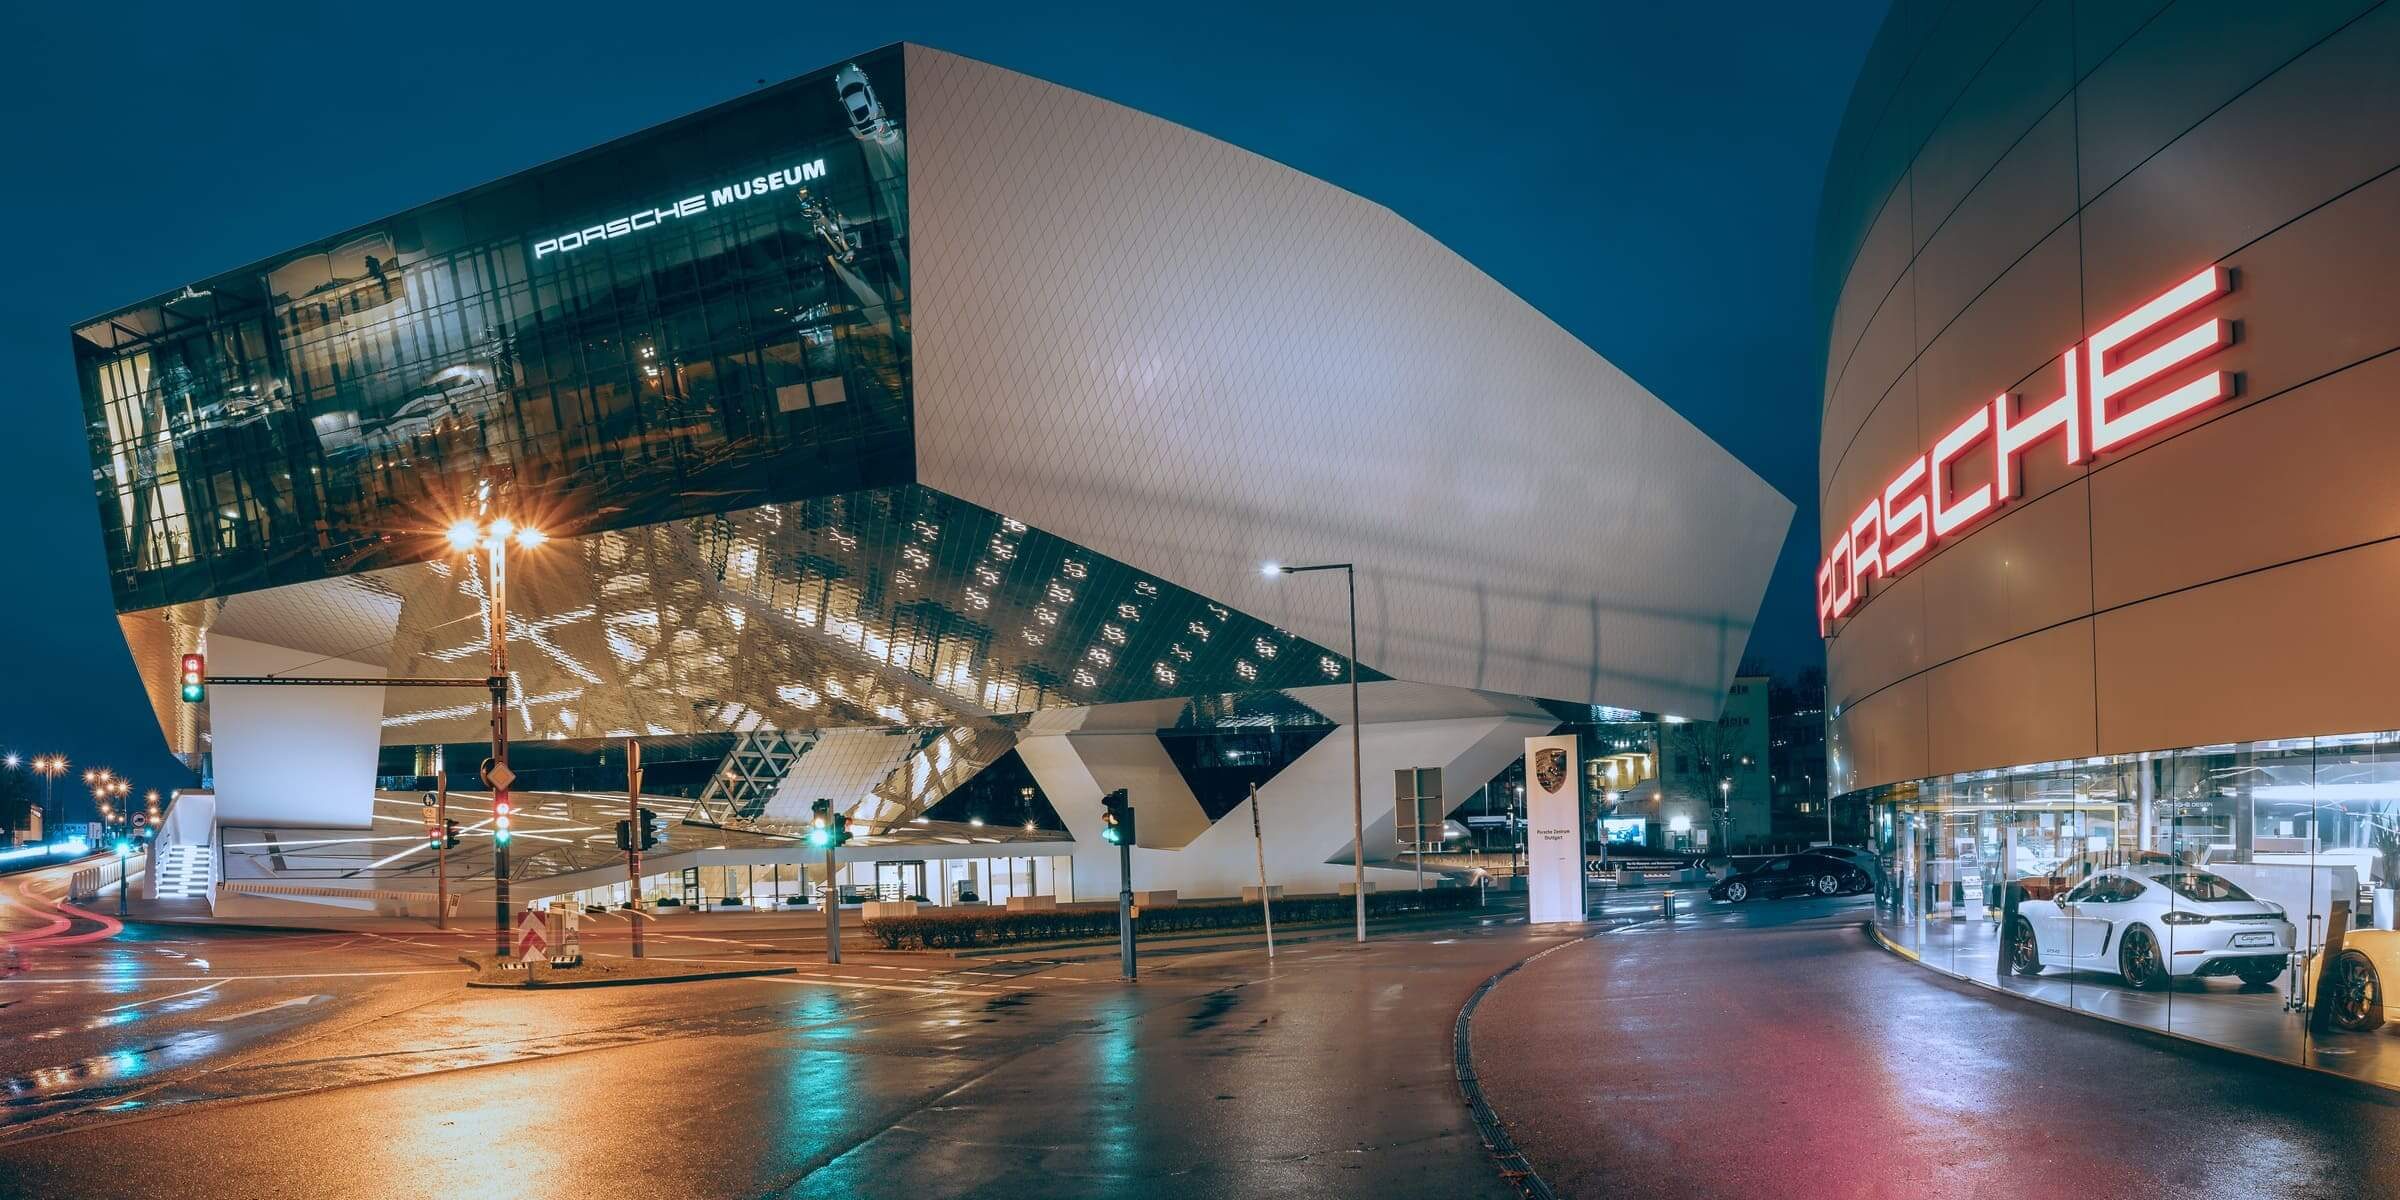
x,y
1550,768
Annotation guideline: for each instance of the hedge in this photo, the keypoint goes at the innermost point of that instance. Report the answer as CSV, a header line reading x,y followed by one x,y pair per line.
x,y
945,929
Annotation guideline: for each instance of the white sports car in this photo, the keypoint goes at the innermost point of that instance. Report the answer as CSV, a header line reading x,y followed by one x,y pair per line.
x,y
2151,923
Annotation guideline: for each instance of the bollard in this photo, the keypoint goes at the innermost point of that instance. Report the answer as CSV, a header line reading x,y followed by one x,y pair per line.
x,y
1666,906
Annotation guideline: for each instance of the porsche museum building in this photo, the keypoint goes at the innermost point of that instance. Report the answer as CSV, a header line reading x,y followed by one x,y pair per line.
x,y
908,435
2110,522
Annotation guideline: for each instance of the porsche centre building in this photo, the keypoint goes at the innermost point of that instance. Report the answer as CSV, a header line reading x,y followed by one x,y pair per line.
x,y
2111,529
909,435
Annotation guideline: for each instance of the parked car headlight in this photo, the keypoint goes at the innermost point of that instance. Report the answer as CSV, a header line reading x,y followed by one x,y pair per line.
x,y
2180,917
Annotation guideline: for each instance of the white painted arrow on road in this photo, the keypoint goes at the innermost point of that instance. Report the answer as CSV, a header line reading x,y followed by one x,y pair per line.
x,y
293,1002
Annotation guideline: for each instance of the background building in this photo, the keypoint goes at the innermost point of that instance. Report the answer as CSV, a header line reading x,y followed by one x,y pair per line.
x,y
910,435
1796,765
2108,306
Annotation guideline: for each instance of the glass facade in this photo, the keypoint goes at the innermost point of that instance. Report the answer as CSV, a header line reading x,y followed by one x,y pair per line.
x,y
942,882
2222,892
705,316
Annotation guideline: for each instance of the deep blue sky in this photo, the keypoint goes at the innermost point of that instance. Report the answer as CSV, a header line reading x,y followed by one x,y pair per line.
x,y
1646,174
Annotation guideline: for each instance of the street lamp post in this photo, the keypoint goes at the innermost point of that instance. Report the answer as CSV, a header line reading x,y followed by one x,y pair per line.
x,y
49,767
1358,791
1725,816
492,536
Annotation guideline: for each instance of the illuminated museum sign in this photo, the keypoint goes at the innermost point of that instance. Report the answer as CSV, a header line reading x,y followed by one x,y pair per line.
x,y
2093,412
652,218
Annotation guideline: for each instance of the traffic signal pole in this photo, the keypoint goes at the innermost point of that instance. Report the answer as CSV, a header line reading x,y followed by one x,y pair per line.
x,y
1125,906
635,827
1117,829
441,843
497,555
833,911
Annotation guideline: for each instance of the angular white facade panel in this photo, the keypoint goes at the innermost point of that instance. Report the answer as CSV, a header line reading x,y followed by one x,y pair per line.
x,y
293,756
1194,359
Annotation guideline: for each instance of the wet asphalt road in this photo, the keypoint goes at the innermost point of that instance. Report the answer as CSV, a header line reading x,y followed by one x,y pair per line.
x,y
231,1064
1773,1051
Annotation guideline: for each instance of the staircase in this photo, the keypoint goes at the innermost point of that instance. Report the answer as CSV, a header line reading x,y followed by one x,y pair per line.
x,y
186,871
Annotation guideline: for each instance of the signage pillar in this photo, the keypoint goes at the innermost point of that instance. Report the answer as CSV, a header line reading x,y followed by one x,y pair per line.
x,y
1553,829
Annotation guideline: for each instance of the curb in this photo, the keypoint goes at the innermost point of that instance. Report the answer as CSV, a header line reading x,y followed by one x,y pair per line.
x,y
1312,931
1513,1165
2165,1039
574,984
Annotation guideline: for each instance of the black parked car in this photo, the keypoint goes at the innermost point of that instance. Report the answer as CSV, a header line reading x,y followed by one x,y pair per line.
x,y
1792,875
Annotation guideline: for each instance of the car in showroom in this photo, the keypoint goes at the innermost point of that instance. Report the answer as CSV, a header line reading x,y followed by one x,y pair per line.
x,y
2150,924
2077,867
1791,875
2352,988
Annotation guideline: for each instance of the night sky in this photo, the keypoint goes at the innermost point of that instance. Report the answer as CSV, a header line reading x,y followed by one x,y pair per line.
x,y
1645,174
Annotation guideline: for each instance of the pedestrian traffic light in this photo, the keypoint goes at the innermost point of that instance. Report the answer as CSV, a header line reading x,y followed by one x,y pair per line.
x,y
625,836
654,829
500,822
820,824
195,678
450,835
1116,819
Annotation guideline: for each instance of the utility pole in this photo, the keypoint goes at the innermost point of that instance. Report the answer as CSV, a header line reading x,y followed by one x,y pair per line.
x,y
1266,907
636,830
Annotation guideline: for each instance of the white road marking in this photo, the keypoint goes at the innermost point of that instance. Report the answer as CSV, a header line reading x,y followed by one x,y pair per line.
x,y
296,1000
156,999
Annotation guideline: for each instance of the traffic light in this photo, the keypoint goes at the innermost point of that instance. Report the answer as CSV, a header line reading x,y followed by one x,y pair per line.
x,y
841,829
1116,819
654,829
625,836
500,822
450,835
195,678
820,824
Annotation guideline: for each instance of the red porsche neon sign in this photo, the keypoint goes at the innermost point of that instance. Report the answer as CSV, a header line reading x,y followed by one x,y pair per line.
x,y
2091,415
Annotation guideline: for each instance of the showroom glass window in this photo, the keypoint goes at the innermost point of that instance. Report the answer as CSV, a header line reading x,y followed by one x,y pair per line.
x,y
322,411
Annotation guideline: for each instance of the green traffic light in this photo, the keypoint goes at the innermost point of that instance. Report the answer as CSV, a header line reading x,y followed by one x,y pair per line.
x,y
819,836
192,693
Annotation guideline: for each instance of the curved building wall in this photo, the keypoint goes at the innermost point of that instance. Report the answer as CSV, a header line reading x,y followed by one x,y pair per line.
x,y
2011,181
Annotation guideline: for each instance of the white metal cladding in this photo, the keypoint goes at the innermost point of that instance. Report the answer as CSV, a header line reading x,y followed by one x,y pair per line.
x,y
1192,359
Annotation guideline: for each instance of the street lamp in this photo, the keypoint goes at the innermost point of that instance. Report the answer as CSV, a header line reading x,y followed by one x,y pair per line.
x,y
49,767
1725,816
492,535
1358,790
